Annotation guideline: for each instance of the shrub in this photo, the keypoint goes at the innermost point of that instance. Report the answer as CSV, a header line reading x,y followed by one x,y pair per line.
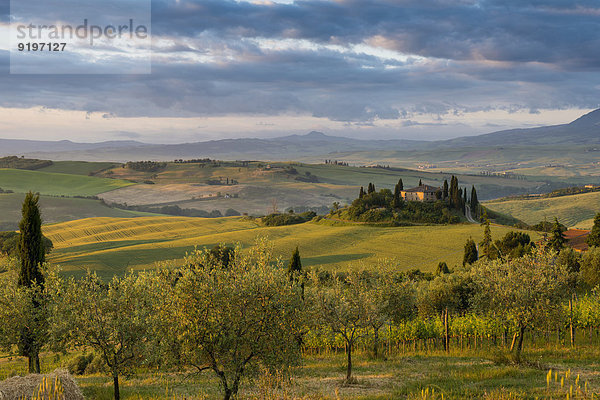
x,y
79,364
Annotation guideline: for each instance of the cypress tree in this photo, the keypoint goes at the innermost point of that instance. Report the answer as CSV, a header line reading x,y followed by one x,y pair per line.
x,y
397,196
295,270
593,238
361,193
487,245
420,183
474,204
464,201
371,188
32,254
470,255
454,199
557,240
442,269
295,266
445,190
31,244
400,184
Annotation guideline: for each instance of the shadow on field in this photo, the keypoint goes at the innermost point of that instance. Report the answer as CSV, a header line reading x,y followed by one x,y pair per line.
x,y
335,258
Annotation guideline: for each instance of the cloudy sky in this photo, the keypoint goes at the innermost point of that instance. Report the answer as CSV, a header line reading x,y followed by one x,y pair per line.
x,y
417,69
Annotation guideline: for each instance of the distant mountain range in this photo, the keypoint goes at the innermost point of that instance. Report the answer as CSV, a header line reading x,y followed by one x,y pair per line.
x,y
583,131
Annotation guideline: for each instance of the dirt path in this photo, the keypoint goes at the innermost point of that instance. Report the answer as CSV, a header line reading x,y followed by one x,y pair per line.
x,y
469,216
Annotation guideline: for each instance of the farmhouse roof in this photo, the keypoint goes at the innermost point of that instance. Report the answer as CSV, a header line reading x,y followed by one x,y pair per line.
x,y
424,189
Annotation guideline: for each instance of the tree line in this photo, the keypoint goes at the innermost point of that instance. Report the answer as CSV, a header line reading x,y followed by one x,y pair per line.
x,y
387,206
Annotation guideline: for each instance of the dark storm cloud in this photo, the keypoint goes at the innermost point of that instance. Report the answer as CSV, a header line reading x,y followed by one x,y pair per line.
x,y
468,56
521,31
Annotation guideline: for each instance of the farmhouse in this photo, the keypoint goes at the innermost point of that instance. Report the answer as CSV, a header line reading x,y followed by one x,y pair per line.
x,y
420,193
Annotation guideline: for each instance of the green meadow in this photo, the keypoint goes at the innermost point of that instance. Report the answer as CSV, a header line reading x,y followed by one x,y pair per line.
x,y
56,184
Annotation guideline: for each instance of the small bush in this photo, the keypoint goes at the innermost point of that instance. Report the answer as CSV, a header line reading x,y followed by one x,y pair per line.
x,y
78,365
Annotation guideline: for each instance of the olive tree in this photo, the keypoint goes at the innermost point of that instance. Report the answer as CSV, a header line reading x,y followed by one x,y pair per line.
x,y
524,291
112,318
232,320
23,315
344,308
590,267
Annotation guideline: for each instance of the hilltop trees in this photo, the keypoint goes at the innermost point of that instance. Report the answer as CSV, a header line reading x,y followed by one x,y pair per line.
x,y
445,190
390,206
371,188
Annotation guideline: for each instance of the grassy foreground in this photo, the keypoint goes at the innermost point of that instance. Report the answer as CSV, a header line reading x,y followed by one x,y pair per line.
x,y
574,211
113,245
458,375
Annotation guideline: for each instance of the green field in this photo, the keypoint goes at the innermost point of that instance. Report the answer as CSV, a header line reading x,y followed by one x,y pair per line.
x,y
112,245
573,211
56,184
57,209
76,167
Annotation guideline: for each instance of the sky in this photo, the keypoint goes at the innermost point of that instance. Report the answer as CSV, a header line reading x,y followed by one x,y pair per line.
x,y
426,69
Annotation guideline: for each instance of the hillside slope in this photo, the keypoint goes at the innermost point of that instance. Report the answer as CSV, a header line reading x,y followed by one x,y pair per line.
x,y
113,245
573,211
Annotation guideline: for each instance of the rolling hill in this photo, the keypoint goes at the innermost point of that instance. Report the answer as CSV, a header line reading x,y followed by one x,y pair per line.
x,y
113,245
573,211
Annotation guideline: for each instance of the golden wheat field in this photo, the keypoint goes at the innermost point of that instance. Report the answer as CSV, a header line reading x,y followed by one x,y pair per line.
x,y
113,245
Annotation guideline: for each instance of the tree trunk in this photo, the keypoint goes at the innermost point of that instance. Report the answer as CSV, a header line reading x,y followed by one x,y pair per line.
x,y
446,333
376,342
227,394
36,359
571,325
116,386
34,363
349,368
514,340
519,344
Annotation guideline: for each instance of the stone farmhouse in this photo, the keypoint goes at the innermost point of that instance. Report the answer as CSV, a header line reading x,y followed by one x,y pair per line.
x,y
420,193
